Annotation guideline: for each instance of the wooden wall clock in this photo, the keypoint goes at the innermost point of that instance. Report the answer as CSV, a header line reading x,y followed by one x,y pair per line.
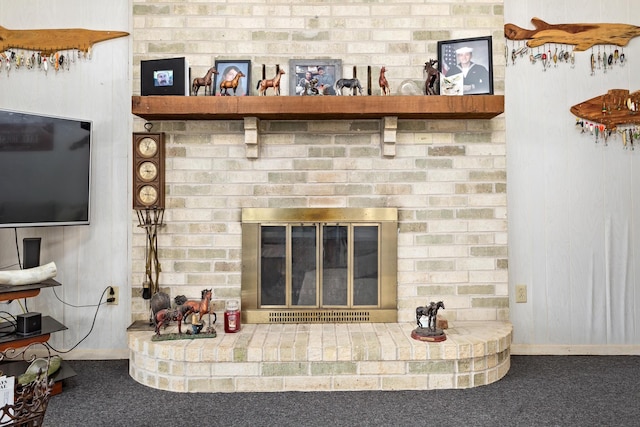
x,y
148,170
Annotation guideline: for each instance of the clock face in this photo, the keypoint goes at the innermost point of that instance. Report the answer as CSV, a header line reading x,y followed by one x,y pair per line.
x,y
148,147
148,195
148,171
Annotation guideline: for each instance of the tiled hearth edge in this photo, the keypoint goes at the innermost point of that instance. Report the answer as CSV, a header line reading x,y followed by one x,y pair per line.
x,y
323,357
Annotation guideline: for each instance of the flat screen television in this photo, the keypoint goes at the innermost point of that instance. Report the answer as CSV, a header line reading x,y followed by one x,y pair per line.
x,y
45,170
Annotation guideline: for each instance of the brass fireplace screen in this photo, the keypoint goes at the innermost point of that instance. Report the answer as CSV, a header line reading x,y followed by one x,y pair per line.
x,y
316,265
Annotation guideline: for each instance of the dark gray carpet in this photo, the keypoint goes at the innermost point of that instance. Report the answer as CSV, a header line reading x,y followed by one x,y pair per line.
x,y
537,391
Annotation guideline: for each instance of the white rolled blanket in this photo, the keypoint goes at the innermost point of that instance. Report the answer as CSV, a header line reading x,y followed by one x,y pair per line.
x,y
28,276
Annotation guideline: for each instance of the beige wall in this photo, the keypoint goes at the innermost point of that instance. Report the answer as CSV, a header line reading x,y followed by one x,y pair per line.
x,y
448,178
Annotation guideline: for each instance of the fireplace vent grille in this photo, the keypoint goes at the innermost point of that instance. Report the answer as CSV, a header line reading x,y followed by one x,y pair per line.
x,y
319,317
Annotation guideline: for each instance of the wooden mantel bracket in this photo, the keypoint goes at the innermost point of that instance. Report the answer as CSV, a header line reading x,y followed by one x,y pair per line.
x,y
252,136
389,128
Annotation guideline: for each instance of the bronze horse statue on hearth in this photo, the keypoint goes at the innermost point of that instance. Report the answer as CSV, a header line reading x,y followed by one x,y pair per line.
x,y
163,314
192,306
431,312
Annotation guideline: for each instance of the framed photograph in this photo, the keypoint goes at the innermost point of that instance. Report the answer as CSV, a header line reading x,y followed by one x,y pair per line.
x,y
466,66
164,77
233,78
314,76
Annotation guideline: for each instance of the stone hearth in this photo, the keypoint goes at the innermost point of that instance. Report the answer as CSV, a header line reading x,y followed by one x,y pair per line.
x,y
323,357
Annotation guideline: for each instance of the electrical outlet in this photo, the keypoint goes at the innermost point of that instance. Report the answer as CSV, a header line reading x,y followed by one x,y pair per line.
x,y
113,295
521,293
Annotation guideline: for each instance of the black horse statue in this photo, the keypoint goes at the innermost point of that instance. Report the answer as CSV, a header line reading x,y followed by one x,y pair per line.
x,y
431,312
353,84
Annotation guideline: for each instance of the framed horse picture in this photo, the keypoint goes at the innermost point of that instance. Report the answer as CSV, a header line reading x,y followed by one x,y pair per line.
x,y
314,76
233,78
466,66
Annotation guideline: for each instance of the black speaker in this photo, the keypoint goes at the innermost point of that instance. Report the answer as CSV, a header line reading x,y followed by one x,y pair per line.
x,y
29,323
31,252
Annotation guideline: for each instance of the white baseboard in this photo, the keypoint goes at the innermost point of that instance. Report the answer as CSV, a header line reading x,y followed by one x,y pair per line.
x,y
574,350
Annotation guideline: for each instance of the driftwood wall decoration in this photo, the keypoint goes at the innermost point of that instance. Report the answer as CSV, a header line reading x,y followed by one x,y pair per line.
x,y
615,108
582,36
54,40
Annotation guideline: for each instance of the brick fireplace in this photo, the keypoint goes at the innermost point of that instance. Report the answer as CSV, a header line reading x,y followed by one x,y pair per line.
x,y
444,172
446,182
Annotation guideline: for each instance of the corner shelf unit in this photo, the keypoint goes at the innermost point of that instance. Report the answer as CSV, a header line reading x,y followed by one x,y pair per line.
x,y
252,109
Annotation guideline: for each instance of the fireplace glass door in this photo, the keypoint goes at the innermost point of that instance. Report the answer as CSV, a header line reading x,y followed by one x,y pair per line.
x,y
319,265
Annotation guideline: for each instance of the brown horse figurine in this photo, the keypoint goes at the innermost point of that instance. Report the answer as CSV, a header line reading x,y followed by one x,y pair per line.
x,y
165,316
432,83
192,306
274,83
233,84
384,84
206,81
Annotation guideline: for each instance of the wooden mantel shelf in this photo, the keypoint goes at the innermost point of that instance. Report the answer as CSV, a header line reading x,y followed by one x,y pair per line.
x,y
153,108
251,109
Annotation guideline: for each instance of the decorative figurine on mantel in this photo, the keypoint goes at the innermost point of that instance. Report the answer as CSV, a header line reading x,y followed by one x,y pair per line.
x,y
225,85
426,318
264,84
206,81
353,84
384,84
432,83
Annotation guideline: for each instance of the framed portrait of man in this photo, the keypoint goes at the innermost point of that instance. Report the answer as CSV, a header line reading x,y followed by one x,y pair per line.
x,y
314,76
466,66
233,78
164,77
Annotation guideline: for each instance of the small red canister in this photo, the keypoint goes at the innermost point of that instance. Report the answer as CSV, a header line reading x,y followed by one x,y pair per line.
x,y
232,316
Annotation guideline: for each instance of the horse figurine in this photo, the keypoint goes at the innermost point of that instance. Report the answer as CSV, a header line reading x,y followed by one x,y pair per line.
x,y
431,311
432,83
384,84
206,81
165,316
192,306
233,84
274,83
353,84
